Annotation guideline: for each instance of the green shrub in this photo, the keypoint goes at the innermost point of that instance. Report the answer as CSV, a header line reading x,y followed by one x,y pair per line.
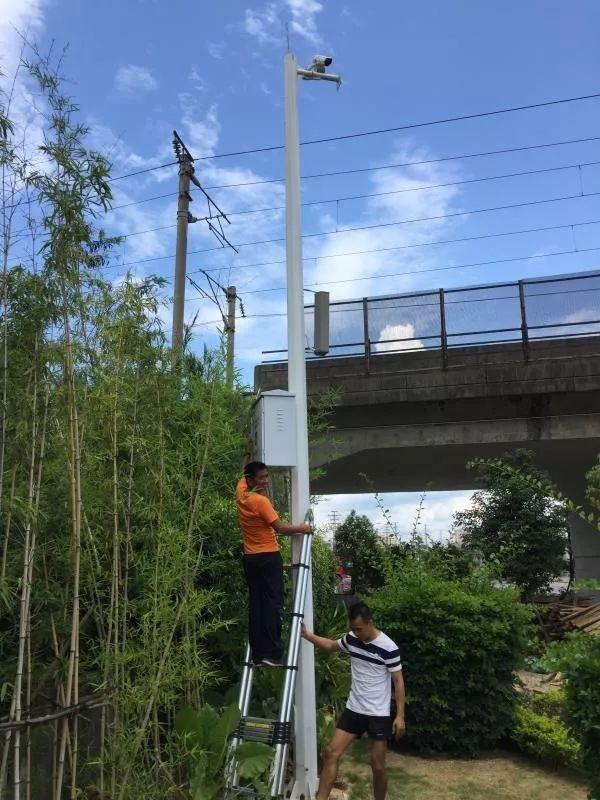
x,y
580,663
545,737
460,644
551,703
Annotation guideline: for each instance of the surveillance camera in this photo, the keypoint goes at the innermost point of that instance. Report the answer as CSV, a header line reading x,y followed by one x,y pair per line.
x,y
321,62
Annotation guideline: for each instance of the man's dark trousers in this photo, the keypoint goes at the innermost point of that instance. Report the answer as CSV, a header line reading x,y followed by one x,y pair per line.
x,y
264,575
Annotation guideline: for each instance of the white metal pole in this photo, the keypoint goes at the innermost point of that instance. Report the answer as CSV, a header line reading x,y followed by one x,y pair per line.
x,y
305,778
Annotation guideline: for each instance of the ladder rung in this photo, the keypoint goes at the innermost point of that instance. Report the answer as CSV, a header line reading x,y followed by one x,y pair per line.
x,y
256,729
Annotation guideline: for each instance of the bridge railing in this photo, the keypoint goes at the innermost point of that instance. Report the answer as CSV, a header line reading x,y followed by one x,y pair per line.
x,y
525,311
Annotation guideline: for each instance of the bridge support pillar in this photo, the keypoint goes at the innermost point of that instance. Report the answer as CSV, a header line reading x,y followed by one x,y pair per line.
x,y
585,541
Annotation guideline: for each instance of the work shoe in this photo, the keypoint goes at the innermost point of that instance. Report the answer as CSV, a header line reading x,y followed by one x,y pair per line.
x,y
271,662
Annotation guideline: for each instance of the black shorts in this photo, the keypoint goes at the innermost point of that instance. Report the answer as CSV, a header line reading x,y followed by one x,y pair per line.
x,y
378,728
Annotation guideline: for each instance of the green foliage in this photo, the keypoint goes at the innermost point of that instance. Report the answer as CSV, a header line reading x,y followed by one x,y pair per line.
x,y
552,703
325,729
460,644
117,519
519,529
360,549
325,601
446,560
332,675
546,737
205,737
578,658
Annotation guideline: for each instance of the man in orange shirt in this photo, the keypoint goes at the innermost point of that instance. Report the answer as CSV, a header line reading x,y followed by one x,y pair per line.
x,y
263,566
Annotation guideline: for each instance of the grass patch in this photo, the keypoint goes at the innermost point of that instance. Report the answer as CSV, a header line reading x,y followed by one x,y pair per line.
x,y
498,776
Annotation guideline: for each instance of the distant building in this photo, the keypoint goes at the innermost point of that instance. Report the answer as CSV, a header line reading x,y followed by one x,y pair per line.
x,y
456,536
387,537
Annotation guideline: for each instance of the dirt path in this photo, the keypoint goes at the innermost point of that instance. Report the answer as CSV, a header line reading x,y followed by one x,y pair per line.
x,y
500,776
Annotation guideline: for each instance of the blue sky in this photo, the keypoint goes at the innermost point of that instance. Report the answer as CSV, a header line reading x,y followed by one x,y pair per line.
x,y
213,71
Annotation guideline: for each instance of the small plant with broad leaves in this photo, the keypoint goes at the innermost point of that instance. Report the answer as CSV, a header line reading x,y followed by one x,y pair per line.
x,y
205,735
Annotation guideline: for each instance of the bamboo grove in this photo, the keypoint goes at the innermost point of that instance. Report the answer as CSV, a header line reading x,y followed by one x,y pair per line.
x,y
115,476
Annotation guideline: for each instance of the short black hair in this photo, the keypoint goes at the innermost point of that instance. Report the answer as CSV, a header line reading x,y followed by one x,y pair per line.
x,y
252,468
361,610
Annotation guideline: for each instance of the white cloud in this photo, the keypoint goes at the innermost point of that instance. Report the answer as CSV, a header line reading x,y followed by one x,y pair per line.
x,y
197,80
304,22
203,128
390,338
216,49
262,24
267,24
131,79
18,19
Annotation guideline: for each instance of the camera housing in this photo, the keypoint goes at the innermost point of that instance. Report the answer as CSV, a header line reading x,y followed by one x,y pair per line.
x,y
320,63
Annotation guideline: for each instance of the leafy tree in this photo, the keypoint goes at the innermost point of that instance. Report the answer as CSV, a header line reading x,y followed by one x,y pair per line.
x,y
517,526
360,549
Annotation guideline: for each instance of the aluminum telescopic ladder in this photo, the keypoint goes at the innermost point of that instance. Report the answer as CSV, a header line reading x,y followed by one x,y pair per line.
x,y
275,732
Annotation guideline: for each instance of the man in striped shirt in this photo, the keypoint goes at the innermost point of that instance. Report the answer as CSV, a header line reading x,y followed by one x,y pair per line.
x,y
375,664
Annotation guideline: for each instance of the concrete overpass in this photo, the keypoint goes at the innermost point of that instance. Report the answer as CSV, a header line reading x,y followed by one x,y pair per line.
x,y
410,420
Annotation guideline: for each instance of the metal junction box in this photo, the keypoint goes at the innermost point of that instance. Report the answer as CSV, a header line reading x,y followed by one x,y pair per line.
x,y
274,429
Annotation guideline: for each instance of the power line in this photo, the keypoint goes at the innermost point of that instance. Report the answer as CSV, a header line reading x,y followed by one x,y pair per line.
x,y
142,171
358,170
413,272
347,198
368,251
326,201
421,188
409,126
362,134
350,229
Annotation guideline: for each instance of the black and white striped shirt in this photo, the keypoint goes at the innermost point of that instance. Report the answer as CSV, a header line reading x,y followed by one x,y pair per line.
x,y
371,663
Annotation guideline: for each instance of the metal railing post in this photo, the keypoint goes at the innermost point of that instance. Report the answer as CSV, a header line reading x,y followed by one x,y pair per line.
x,y
366,333
524,329
443,334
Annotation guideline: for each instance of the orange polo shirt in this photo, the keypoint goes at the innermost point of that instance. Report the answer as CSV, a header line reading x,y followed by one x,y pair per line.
x,y
256,515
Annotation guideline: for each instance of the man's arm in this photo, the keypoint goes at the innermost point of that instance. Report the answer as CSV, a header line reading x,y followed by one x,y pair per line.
x,y
399,725
330,645
285,529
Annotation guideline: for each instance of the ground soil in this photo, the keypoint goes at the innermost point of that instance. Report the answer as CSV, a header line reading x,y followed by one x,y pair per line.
x,y
498,776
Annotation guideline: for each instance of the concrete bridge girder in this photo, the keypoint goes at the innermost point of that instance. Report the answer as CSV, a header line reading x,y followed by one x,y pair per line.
x,y
406,422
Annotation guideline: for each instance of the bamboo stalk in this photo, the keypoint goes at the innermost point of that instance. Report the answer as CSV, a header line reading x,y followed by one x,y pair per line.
x,y
72,690
28,733
28,546
8,522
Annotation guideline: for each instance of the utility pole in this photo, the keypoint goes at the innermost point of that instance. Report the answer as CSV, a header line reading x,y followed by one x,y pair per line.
x,y
186,170
214,220
334,520
231,296
305,751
